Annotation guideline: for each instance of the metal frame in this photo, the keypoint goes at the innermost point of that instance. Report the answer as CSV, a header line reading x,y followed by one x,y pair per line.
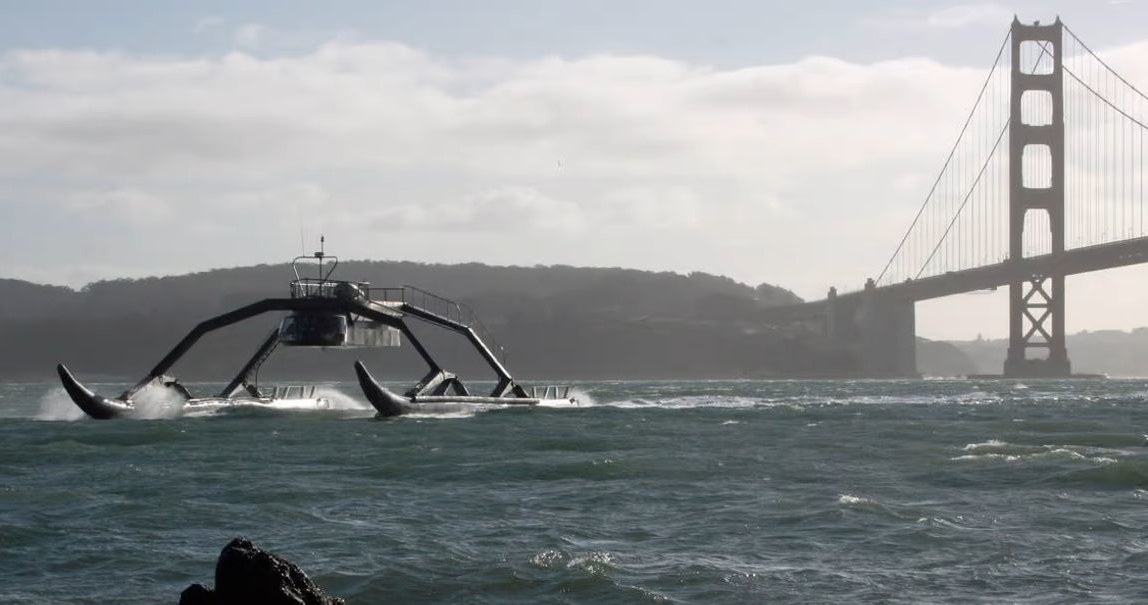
x,y
436,382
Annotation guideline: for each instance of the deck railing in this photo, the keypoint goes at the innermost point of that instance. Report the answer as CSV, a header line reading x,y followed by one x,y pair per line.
x,y
551,391
427,302
431,303
309,287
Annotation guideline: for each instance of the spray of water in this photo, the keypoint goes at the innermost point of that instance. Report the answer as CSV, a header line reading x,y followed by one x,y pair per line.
x,y
156,401
56,405
468,412
584,398
340,400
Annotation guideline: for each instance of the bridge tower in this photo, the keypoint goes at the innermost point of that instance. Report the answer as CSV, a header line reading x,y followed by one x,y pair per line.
x,y
1036,304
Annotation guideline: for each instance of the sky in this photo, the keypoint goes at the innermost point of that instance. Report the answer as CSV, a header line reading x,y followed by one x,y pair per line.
x,y
788,143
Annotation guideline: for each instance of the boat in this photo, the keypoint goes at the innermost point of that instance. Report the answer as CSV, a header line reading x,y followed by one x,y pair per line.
x,y
322,312
388,403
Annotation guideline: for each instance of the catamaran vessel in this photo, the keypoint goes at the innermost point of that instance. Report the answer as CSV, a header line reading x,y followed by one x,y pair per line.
x,y
327,313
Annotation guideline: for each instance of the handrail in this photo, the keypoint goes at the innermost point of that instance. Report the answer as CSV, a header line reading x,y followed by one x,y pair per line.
x,y
429,302
310,287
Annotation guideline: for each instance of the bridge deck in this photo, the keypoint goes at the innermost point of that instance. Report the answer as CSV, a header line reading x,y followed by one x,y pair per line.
x,y
1070,262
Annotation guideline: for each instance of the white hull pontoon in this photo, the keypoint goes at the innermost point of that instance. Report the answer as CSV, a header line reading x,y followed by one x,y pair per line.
x,y
175,403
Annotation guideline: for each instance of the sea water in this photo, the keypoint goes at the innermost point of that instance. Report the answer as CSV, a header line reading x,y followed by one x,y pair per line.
x,y
653,492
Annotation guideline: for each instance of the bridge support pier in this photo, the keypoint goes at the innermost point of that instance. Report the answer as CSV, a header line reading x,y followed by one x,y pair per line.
x,y
1037,322
888,331
880,330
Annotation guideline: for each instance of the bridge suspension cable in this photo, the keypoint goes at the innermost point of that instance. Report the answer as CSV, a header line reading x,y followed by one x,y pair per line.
x,y
1105,130
964,202
963,221
906,244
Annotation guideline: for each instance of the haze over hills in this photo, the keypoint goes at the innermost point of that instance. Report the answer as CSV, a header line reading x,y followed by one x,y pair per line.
x,y
553,321
1114,353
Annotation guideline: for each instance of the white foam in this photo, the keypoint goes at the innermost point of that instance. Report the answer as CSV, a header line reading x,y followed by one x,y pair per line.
x,y
1006,457
594,562
341,401
692,402
1037,453
800,402
155,401
548,558
56,405
585,400
1061,452
850,499
441,415
991,443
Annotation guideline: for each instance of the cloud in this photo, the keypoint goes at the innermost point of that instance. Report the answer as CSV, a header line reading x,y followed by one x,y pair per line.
x,y
250,35
504,210
952,17
207,24
969,15
397,152
131,206
257,37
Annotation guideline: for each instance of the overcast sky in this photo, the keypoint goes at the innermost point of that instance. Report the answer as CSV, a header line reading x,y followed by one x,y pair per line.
x,y
788,143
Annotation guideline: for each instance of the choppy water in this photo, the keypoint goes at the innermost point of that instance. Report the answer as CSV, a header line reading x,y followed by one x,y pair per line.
x,y
687,492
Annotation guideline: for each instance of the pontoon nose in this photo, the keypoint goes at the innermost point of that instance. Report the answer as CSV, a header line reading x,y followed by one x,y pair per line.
x,y
96,406
385,402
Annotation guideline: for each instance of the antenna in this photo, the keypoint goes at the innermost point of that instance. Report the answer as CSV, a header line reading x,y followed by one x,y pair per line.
x,y
320,257
321,253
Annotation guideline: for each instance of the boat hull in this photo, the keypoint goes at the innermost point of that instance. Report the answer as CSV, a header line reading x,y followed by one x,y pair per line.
x,y
96,406
388,404
104,408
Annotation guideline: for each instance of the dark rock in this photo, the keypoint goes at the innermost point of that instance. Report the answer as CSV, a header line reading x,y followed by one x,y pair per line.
x,y
197,594
248,575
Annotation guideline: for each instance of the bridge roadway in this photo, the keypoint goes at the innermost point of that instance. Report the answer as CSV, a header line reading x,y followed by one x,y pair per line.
x,y
1070,262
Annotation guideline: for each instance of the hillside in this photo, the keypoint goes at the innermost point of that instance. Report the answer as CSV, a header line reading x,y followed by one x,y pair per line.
x,y
22,300
1111,352
939,359
555,321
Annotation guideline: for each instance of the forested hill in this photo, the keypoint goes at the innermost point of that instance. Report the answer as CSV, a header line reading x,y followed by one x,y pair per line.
x,y
493,291
25,300
556,321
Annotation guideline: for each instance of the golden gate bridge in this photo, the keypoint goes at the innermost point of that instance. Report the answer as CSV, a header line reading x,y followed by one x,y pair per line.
x,y
1045,180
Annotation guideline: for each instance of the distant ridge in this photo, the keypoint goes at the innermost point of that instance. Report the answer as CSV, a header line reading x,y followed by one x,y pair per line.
x,y
1114,353
554,321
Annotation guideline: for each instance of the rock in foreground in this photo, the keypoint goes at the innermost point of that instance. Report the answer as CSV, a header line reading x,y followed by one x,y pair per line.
x,y
249,575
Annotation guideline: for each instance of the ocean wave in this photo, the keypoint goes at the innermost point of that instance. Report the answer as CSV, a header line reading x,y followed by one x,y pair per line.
x,y
994,449
991,443
801,400
455,415
592,562
690,402
1118,474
